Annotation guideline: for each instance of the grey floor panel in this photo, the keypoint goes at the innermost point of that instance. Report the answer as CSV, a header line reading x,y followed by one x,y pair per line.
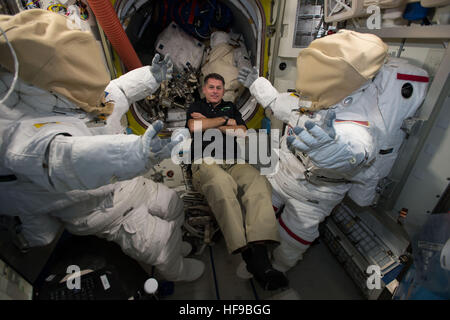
x,y
201,289
229,285
319,276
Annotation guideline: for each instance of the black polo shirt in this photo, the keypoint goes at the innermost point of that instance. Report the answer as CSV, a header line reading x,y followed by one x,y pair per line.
x,y
224,108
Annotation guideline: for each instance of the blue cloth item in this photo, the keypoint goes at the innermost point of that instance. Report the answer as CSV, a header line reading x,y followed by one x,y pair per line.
x,y
265,124
426,279
196,17
414,11
222,17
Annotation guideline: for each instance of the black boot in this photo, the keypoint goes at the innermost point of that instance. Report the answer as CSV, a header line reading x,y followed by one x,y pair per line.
x,y
258,264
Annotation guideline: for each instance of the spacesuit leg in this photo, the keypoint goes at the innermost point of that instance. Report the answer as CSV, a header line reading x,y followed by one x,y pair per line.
x,y
285,256
166,205
153,241
170,263
150,230
294,223
278,199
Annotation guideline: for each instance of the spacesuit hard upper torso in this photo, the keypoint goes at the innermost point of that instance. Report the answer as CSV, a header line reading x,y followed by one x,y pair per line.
x,y
354,120
59,165
355,113
369,120
309,191
30,119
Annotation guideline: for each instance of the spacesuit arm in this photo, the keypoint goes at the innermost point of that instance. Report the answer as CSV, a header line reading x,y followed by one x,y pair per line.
x,y
263,91
123,91
139,83
60,154
134,85
91,162
281,104
94,161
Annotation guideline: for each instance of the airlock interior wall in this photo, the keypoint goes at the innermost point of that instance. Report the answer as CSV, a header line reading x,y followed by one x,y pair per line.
x,y
144,46
246,21
241,25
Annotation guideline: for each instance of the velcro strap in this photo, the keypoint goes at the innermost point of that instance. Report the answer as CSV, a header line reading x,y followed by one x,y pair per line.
x,y
7,178
386,151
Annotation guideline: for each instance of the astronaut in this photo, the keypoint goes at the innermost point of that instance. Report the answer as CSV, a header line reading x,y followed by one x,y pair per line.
x,y
65,162
343,130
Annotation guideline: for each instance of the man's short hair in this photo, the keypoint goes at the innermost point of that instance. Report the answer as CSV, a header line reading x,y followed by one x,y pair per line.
x,y
213,76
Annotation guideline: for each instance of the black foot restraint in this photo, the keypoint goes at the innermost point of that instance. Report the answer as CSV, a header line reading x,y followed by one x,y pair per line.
x,y
259,265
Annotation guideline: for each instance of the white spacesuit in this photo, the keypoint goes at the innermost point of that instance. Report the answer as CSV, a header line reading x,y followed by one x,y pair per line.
x,y
343,130
65,162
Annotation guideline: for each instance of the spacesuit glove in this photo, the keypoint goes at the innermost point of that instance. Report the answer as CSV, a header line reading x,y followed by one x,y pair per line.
x,y
322,146
161,70
157,149
247,76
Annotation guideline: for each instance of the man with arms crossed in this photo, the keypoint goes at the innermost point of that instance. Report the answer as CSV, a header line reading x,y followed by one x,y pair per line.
x,y
226,185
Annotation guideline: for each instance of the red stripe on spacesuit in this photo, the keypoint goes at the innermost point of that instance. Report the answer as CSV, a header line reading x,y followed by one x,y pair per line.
x,y
192,13
293,235
411,77
364,123
166,9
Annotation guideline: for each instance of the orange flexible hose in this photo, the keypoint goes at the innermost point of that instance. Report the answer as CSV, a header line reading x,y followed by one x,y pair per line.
x,y
107,17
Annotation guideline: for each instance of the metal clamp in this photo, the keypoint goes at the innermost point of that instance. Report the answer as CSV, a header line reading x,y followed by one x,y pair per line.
x,y
411,126
14,227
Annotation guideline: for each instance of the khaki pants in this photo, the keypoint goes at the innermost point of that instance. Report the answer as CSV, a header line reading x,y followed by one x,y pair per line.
x,y
226,188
